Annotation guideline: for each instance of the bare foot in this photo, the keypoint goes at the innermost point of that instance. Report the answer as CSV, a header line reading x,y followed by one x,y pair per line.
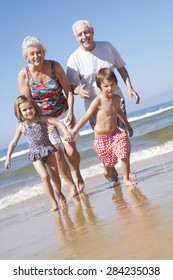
x,y
62,200
79,182
132,176
83,196
129,183
111,174
54,208
73,193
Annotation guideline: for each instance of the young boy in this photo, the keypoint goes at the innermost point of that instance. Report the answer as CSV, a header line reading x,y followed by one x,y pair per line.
x,y
110,143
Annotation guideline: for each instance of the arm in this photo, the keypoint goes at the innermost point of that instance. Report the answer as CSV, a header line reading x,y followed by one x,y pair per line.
x,y
67,89
73,74
126,78
67,134
80,90
23,83
12,146
92,109
123,118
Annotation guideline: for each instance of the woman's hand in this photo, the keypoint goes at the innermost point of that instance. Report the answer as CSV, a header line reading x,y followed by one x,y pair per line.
x,y
70,119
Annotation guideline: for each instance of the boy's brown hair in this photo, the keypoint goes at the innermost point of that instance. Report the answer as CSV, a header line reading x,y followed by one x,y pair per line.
x,y
105,73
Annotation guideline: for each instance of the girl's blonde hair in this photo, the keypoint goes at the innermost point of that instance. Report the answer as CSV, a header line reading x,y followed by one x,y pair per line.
x,y
22,99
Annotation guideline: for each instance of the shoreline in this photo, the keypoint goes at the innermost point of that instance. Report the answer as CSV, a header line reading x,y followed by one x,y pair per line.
x,y
105,223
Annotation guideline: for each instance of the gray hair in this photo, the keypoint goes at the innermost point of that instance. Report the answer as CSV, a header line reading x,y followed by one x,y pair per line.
x,y
31,41
80,22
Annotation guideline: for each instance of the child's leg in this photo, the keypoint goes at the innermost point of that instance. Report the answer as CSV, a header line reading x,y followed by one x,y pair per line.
x,y
125,165
111,174
55,179
41,170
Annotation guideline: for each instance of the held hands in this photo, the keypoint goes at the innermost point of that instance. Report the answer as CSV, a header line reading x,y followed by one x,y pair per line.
x,y
68,136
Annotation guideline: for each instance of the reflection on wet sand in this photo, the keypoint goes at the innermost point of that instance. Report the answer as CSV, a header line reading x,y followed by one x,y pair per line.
x,y
118,199
129,208
121,225
138,198
73,231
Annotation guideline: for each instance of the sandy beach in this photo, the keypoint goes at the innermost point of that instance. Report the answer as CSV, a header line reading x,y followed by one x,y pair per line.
x,y
105,222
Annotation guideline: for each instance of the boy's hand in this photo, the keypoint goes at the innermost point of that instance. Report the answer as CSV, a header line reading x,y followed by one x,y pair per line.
x,y
130,130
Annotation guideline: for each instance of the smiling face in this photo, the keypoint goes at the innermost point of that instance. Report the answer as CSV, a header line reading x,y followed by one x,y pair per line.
x,y
84,36
35,55
27,110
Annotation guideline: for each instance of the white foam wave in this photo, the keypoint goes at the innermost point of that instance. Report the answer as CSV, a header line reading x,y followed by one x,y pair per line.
x,y
86,131
30,192
89,131
21,195
152,152
147,115
16,154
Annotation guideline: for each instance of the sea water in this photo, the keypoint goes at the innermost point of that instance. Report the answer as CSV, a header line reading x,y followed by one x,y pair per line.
x,y
153,135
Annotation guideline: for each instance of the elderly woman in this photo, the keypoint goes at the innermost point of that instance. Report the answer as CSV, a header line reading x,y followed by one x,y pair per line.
x,y
46,82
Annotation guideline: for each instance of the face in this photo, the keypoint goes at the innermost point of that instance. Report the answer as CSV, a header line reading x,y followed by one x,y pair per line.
x,y
35,55
108,87
84,36
27,110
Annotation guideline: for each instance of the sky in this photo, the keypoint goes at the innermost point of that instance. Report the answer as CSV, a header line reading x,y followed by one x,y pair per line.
x,y
142,32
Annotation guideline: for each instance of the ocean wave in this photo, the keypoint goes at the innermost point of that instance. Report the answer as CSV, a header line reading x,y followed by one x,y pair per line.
x,y
86,132
16,154
30,192
149,114
21,195
152,152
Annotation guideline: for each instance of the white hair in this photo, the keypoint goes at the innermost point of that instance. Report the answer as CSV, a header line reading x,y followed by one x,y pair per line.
x,y
31,41
80,22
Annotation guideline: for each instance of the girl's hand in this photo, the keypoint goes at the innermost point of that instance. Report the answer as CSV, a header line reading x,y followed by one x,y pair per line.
x,y
68,137
7,164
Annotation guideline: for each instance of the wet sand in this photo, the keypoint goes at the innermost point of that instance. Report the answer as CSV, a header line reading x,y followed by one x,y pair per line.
x,y
105,222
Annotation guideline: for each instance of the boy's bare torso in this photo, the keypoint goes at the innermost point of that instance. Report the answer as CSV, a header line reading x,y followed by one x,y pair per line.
x,y
106,114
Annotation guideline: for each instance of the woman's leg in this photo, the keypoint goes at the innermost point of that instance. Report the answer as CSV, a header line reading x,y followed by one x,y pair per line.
x,y
45,178
55,179
74,158
65,170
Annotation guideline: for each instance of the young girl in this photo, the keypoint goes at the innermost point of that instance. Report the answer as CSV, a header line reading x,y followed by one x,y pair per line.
x,y
41,150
